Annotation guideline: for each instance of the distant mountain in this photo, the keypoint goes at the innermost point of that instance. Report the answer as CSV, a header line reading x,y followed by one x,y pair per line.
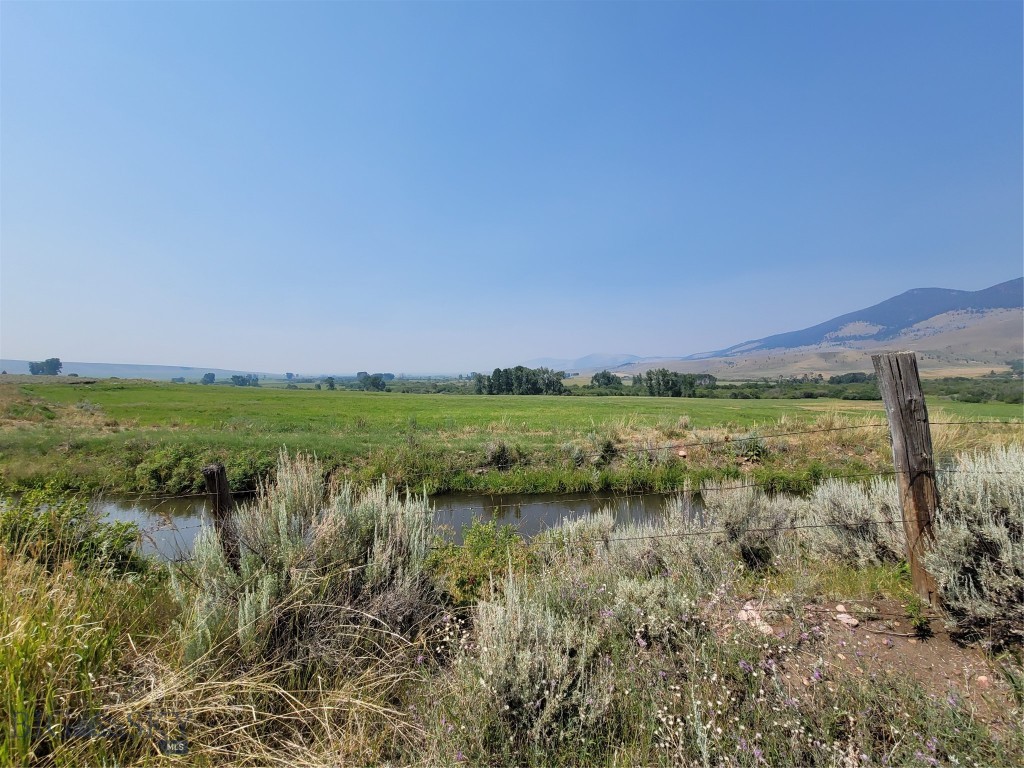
x,y
130,371
955,333
887,320
593,362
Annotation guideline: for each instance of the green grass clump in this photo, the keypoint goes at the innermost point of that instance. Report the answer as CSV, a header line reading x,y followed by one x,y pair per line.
x,y
52,528
467,572
72,591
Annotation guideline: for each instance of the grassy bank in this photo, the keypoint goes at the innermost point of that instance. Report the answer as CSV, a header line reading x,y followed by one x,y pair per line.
x,y
348,635
143,437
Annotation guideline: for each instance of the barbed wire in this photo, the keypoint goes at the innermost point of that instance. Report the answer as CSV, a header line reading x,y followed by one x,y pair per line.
x,y
719,483
611,538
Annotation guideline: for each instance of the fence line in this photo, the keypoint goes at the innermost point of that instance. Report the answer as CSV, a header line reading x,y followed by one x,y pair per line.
x,y
611,538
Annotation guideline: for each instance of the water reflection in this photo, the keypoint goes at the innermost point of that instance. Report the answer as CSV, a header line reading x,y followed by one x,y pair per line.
x,y
170,526
532,513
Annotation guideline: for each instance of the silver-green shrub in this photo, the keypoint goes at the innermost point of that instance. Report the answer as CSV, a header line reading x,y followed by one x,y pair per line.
x,y
314,568
854,525
978,557
756,527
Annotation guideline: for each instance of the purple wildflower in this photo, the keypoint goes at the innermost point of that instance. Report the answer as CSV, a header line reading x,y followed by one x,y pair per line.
x,y
746,666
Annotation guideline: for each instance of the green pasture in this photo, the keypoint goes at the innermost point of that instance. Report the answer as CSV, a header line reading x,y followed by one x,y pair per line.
x,y
305,411
145,436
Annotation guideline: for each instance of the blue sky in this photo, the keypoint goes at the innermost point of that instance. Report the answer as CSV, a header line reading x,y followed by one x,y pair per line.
x,y
454,186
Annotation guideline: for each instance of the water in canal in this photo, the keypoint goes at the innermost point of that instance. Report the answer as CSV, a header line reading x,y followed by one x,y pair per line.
x,y
170,526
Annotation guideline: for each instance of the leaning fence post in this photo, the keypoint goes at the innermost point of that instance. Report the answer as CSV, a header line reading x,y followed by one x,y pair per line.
x,y
216,478
900,385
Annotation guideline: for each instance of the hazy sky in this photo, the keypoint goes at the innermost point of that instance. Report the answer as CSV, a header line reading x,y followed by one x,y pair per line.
x,y
453,186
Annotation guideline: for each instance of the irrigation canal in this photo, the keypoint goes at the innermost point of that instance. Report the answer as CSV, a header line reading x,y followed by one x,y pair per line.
x,y
170,526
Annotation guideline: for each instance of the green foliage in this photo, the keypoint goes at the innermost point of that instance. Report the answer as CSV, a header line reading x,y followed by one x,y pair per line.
x,y
605,379
499,455
50,367
662,382
209,378
65,633
919,622
1003,389
848,386
751,447
520,381
852,378
51,527
245,380
488,553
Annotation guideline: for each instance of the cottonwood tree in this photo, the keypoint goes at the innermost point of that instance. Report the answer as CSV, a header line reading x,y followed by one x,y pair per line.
x,y
49,367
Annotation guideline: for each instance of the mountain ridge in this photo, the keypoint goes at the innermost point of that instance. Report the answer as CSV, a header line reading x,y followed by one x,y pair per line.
x,y
936,320
887,319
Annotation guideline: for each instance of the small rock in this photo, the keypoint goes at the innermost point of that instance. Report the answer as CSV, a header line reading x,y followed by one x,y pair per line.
x,y
751,615
847,619
841,608
983,681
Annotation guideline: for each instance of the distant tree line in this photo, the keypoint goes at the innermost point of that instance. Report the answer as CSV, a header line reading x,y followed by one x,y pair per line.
x,y
520,381
662,382
51,366
245,380
809,386
1004,388
374,382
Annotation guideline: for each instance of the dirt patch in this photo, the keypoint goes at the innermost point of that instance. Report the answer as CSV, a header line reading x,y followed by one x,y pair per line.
x,y
877,640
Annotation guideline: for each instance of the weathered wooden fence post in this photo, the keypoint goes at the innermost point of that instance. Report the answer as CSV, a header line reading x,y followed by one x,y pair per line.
x,y
900,385
216,478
